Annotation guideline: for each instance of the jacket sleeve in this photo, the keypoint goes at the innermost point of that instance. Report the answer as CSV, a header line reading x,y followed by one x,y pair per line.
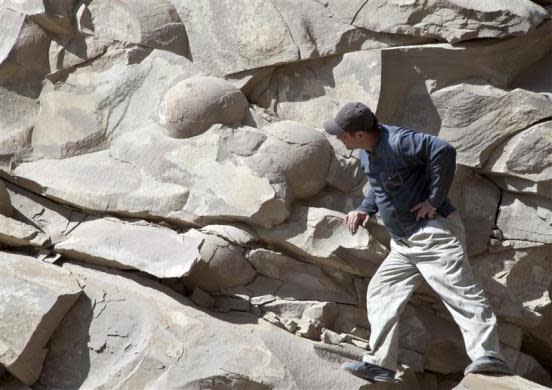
x,y
368,205
437,155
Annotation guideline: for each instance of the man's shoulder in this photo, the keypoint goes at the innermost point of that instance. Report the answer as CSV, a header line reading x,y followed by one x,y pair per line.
x,y
396,130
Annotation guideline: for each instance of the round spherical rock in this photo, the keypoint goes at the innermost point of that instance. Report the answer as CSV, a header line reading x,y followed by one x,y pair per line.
x,y
193,105
299,153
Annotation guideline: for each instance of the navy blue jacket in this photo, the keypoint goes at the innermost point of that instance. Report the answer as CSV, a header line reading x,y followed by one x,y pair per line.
x,y
405,168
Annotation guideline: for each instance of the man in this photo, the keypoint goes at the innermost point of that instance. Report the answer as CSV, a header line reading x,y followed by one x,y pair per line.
x,y
410,174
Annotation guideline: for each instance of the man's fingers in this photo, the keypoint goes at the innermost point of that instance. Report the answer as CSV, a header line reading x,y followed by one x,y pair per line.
x,y
419,205
422,213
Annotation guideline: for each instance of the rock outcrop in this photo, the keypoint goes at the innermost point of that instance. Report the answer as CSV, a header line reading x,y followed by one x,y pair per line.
x,y
172,213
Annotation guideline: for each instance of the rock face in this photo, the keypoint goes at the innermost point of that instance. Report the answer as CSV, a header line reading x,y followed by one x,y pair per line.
x,y
451,21
168,157
35,298
160,252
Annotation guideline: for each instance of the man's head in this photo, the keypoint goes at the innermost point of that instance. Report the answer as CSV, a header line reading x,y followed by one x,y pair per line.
x,y
355,125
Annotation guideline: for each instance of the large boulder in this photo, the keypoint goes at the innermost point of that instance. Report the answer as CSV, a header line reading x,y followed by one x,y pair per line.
x,y
294,152
222,264
35,298
193,105
537,77
98,182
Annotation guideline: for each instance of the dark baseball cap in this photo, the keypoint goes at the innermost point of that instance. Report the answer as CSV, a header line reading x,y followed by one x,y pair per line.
x,y
352,117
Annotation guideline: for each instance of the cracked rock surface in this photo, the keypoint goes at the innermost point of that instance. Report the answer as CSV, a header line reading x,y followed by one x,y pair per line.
x,y
171,212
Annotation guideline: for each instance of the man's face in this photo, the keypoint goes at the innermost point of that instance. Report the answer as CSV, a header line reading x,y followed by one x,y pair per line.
x,y
352,140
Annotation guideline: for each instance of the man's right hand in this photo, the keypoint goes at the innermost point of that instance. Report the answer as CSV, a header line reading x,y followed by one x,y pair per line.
x,y
354,219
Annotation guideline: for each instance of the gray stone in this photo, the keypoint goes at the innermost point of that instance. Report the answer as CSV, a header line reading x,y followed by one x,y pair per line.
x,y
484,382
16,234
263,286
464,109
320,236
510,335
5,201
23,66
537,77
525,217
153,24
299,153
55,17
191,106
232,36
452,21
34,299
202,299
238,234
53,219
518,157
222,264
517,283
158,251
313,91
477,200
411,74
303,281
128,331
527,367
98,182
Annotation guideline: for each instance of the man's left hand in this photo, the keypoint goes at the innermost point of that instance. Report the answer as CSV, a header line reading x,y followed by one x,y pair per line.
x,y
424,210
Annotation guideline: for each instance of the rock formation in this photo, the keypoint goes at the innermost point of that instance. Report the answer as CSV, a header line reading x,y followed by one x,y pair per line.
x,y
171,212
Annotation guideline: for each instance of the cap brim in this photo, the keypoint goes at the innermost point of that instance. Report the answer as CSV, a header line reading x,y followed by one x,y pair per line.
x,y
332,128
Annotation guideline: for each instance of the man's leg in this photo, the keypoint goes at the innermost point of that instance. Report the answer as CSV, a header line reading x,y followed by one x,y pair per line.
x,y
388,291
439,253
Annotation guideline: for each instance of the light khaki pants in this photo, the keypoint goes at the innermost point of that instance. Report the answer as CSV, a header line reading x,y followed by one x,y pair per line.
x,y
437,254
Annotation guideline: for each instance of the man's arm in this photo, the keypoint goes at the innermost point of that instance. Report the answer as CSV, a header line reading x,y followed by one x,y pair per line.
x,y
423,149
368,204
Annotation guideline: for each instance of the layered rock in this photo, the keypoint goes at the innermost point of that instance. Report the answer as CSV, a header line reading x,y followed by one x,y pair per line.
x,y
451,21
158,251
314,90
35,298
14,233
525,217
320,236
151,24
123,145
23,66
517,158
133,332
